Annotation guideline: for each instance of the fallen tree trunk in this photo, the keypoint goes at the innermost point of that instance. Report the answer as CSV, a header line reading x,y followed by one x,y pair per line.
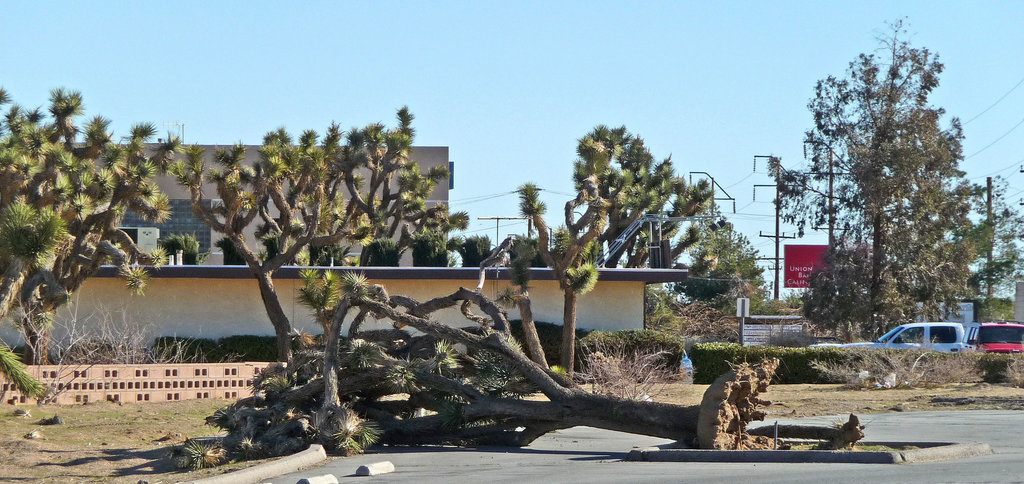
x,y
465,386
838,437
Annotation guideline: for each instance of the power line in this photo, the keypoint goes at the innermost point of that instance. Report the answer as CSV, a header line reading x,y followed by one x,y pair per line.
x,y
996,140
1011,165
741,180
557,193
480,198
722,279
997,101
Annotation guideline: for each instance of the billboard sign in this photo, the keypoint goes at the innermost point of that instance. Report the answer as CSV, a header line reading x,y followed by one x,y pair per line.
x,y
800,261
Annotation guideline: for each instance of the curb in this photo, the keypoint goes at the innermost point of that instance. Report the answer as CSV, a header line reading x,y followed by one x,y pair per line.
x,y
930,452
946,452
313,455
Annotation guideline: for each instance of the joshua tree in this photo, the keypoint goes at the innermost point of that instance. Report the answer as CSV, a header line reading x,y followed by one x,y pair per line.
x,y
634,184
618,182
88,186
387,191
314,194
571,254
27,240
295,191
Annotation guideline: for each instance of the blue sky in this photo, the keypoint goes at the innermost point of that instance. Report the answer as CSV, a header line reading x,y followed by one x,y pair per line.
x,y
509,87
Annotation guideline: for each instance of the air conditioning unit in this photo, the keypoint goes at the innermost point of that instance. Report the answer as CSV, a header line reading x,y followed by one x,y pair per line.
x,y
144,237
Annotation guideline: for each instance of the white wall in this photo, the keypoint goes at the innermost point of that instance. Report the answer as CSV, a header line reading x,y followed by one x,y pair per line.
x,y
214,308
1018,303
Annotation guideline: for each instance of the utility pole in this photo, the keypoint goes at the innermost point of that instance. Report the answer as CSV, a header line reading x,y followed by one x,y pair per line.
x,y
778,235
991,235
497,225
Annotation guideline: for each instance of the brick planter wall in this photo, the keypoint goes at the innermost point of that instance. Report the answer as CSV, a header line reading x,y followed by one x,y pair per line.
x,y
161,382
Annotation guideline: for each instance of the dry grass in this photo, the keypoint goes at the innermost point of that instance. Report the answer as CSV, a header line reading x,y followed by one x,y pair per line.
x,y
615,371
103,442
802,400
1015,373
900,369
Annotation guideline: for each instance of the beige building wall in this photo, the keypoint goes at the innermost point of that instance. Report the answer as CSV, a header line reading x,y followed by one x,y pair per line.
x,y
425,156
214,308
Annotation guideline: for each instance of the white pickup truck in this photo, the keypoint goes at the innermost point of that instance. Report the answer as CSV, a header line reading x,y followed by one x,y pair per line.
x,y
946,337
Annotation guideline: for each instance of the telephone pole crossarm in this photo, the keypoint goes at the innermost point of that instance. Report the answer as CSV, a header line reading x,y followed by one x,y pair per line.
x,y
714,185
497,225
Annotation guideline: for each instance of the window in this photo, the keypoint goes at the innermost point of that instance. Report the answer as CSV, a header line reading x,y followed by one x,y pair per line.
x,y
1001,334
943,334
910,336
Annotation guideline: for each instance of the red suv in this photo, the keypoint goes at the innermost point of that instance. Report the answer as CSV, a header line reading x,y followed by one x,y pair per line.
x,y
996,337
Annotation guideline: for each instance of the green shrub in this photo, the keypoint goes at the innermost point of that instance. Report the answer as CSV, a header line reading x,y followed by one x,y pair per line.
x,y
199,350
528,246
641,341
231,256
550,338
249,347
712,359
381,253
187,244
229,348
430,249
994,365
323,255
474,250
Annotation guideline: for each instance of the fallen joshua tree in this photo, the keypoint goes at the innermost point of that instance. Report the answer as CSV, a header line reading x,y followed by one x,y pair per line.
x,y
464,387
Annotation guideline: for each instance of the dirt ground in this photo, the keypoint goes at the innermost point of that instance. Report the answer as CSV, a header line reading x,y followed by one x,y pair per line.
x,y
816,400
106,442
102,442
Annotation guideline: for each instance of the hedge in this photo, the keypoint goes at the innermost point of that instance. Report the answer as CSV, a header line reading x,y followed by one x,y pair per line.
x,y
550,335
643,341
993,365
230,348
712,359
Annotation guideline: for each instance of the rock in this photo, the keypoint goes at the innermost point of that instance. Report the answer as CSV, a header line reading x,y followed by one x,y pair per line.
x,y
324,479
33,435
376,468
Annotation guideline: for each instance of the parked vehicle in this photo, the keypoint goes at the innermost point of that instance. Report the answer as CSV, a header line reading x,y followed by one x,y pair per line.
x,y
947,337
996,337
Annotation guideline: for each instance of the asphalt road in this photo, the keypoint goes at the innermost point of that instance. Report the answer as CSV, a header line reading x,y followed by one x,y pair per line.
x,y
592,455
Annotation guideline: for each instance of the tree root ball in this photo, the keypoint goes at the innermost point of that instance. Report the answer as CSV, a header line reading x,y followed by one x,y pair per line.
x,y
731,403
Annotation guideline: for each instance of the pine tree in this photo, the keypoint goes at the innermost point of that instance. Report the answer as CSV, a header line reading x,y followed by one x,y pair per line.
x,y
897,193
